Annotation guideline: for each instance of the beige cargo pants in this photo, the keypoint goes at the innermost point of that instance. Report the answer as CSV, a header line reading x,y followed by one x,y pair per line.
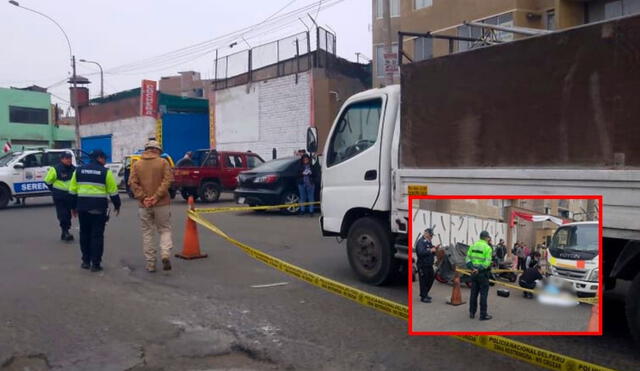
x,y
159,218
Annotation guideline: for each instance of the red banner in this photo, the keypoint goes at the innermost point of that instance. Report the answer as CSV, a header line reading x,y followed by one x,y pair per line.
x,y
148,99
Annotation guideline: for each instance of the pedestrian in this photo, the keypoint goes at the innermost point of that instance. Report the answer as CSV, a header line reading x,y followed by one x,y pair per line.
x,y
521,257
425,252
306,183
526,251
58,179
501,251
186,161
479,261
528,279
150,180
532,260
91,186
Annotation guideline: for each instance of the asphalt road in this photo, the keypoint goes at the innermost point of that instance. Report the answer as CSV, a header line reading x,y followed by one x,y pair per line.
x,y
514,313
205,315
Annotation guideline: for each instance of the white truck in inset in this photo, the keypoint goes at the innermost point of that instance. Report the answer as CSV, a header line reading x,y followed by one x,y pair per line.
x,y
22,173
556,114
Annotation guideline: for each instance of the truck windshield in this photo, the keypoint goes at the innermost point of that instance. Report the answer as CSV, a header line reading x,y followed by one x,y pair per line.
x,y
576,239
4,160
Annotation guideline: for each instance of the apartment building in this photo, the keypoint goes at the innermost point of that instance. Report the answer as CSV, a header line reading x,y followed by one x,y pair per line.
x,y
447,17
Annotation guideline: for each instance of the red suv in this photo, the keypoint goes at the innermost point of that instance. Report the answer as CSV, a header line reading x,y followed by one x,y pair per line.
x,y
213,172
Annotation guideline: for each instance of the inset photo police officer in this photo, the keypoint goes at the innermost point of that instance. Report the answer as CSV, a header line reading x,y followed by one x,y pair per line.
x,y
425,252
91,187
479,261
58,179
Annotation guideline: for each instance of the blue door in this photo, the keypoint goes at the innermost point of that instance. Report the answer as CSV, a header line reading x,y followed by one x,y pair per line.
x,y
102,142
182,132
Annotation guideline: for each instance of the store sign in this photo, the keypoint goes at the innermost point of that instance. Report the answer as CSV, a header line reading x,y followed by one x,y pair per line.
x,y
391,62
148,99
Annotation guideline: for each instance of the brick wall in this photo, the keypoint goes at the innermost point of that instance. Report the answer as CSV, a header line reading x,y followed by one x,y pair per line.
x,y
110,111
283,115
128,135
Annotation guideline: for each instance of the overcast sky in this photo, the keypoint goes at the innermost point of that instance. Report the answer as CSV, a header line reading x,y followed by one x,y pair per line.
x,y
117,32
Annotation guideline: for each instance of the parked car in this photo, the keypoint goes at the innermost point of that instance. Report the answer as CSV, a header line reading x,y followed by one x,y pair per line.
x,y
117,171
22,173
273,183
212,173
125,171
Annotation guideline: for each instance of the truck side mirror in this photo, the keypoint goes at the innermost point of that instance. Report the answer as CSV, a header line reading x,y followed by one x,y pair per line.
x,y
18,165
312,140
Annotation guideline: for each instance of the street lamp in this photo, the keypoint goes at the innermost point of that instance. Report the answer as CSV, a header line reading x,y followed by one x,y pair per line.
x,y
73,67
101,76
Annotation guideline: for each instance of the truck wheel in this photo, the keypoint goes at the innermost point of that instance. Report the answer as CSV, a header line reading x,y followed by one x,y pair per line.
x,y
209,192
369,249
632,308
5,196
290,197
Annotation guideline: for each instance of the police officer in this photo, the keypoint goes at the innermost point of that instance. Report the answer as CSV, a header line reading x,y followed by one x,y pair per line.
x,y
479,261
91,186
57,179
425,251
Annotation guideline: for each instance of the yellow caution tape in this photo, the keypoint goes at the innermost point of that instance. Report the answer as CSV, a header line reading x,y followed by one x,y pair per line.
x,y
530,354
245,208
591,301
511,348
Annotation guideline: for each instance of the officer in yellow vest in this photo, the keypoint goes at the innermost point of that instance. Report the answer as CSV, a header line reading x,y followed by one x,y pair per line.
x,y
479,261
58,179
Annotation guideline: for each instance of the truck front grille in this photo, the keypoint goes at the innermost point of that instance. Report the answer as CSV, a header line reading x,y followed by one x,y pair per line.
x,y
576,274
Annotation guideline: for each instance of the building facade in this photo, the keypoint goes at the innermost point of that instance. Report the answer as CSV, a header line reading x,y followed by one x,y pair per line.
x,y
447,17
27,119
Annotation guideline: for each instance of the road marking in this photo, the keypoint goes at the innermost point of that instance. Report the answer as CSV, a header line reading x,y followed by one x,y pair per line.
x,y
499,344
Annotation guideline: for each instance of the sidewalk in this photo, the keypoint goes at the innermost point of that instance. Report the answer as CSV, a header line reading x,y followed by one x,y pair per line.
x,y
514,313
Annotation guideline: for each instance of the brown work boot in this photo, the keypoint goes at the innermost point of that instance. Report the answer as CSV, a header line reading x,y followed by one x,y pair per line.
x,y
166,264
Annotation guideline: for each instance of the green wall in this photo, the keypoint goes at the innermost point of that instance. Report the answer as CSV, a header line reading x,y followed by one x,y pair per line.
x,y
10,131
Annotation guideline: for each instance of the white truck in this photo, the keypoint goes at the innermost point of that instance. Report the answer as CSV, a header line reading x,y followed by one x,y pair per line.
x,y
548,115
574,257
22,173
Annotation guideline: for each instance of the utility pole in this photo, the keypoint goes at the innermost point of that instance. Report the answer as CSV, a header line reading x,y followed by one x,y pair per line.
x,y
75,103
387,34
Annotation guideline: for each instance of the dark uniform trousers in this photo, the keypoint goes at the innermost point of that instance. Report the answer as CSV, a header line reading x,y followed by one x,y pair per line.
x,y
92,236
63,212
479,285
426,275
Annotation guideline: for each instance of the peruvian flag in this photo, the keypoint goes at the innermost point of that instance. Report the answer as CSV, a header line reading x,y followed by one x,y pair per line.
x,y
537,218
7,147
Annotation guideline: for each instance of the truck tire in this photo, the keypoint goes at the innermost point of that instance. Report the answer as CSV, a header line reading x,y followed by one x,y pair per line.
x,y
632,308
369,249
209,192
291,197
5,196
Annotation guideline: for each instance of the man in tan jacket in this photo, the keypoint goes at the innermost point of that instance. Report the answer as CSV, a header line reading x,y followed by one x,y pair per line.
x,y
150,179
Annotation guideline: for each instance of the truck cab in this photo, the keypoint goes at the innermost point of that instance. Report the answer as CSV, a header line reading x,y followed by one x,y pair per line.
x,y
574,257
22,173
212,173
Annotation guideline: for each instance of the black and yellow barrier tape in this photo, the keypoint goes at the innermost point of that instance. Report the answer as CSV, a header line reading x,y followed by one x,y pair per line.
x,y
592,301
511,348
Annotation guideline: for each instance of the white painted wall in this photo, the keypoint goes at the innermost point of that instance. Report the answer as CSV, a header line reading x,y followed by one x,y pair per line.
x,y
270,114
128,135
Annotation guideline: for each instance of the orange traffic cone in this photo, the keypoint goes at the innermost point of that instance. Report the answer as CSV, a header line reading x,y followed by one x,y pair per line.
x,y
456,294
191,243
594,321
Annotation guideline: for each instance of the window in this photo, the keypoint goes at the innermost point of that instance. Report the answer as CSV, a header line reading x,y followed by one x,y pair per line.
x,y
505,20
419,4
380,58
32,160
395,8
233,161
423,48
51,158
357,130
600,11
27,115
212,160
253,161
551,20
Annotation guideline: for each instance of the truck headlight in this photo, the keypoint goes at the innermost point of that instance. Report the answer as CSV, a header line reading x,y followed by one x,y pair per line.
x,y
594,275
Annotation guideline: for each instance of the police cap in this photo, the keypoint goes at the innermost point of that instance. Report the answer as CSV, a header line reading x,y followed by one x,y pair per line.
x,y
484,234
429,231
66,154
97,153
